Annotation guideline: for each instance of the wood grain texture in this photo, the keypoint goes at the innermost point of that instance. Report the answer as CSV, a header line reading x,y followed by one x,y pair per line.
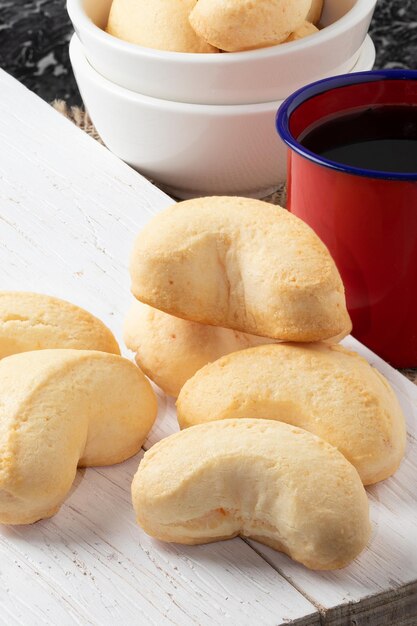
x,y
398,606
91,564
69,212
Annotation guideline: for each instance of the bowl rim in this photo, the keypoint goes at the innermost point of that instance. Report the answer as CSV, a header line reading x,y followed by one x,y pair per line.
x,y
83,64
81,21
290,104
76,50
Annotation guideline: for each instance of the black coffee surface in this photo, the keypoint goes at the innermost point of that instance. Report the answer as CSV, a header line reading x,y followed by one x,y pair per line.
x,y
382,137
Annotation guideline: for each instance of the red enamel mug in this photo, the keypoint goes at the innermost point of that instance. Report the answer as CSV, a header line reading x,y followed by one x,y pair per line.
x,y
367,219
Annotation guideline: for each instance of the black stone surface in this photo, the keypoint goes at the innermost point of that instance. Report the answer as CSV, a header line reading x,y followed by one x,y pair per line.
x,y
34,38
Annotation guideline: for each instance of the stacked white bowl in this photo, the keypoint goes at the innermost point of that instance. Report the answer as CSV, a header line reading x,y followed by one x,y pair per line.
x,y
202,124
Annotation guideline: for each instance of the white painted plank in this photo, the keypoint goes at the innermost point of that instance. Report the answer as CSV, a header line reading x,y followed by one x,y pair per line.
x,y
93,556
69,211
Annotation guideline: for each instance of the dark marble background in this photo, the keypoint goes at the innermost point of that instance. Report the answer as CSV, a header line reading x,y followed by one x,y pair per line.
x,y
34,36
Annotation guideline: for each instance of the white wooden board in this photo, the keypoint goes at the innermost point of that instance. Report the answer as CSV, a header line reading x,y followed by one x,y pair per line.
x,y
69,211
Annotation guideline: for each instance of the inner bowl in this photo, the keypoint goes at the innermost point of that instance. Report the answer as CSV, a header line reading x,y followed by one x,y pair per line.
x,y
253,76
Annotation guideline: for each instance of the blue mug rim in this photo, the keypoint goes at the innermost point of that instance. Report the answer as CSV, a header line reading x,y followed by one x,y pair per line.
x,y
327,84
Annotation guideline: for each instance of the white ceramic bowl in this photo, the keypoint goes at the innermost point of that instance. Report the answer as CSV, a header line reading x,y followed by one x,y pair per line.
x,y
264,75
189,149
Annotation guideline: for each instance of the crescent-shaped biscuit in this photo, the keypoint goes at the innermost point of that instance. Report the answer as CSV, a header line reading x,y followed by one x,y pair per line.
x,y
61,409
305,30
267,480
34,321
242,264
234,25
324,389
160,24
170,350
315,12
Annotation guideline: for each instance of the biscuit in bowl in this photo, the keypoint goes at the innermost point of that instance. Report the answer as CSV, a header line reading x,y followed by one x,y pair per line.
x,y
315,12
34,321
234,25
305,30
61,409
256,478
242,264
160,24
324,389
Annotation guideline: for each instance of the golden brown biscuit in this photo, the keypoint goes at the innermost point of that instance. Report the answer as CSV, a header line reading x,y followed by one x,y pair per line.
x,y
60,409
171,350
234,25
34,321
257,478
242,264
305,30
315,12
160,24
327,390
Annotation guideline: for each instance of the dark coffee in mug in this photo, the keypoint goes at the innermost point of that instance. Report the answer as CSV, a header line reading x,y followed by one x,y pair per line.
x,y
378,137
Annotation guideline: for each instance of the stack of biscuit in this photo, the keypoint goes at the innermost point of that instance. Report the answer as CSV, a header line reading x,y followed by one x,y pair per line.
x,y
239,310
208,26
68,400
